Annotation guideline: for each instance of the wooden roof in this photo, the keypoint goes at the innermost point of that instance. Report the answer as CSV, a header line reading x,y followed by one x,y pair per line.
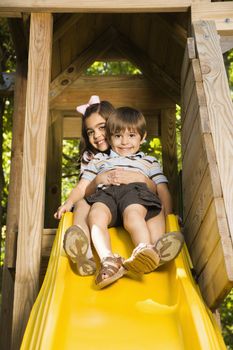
x,y
153,42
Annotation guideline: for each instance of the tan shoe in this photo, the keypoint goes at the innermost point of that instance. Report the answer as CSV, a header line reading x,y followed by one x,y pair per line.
x,y
76,245
144,259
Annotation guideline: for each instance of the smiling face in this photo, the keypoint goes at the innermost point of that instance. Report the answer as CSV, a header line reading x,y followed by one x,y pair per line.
x,y
126,142
95,129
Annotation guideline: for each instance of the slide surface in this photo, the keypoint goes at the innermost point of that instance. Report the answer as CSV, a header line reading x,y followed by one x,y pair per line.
x,y
162,310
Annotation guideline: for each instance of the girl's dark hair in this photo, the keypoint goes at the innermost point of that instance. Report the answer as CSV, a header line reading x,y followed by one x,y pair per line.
x,y
104,108
125,118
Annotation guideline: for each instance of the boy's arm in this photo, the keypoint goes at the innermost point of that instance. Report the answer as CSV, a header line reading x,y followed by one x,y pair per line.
x,y
75,195
165,198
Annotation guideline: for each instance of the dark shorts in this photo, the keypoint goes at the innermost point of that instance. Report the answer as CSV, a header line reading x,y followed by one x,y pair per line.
x,y
117,198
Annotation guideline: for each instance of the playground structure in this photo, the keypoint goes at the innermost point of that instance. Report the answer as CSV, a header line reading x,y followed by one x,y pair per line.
x,y
178,47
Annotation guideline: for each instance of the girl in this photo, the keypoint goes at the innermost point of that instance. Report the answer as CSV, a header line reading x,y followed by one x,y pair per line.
x,y
76,243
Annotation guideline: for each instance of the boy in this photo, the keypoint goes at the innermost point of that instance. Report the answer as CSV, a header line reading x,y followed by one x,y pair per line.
x,y
132,203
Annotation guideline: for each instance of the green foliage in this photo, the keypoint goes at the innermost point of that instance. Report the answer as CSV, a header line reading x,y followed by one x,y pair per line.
x,y
112,68
70,166
226,312
6,154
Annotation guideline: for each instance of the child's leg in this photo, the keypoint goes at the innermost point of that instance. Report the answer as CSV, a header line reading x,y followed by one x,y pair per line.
x,y
168,245
81,211
77,241
99,218
111,268
156,227
134,222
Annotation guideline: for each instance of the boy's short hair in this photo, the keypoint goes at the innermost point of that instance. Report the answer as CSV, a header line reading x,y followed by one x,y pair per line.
x,y
125,118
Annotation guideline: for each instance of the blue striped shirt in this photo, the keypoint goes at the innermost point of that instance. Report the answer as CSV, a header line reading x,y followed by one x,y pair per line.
x,y
147,165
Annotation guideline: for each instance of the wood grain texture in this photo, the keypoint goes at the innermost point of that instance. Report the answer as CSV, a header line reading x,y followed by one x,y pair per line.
x,y
220,107
95,6
74,70
53,169
135,91
31,218
169,152
219,12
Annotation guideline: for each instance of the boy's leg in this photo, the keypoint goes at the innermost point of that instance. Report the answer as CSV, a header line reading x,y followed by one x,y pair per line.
x,y
111,268
135,224
77,241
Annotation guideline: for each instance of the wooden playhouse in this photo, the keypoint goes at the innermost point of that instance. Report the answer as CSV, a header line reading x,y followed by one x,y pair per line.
x,y
178,45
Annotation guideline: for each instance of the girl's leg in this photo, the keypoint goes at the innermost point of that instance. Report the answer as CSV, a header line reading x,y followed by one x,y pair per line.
x,y
168,245
77,241
99,219
111,268
81,211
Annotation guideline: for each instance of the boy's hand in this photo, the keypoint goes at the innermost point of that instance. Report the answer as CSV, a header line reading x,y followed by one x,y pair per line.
x,y
67,206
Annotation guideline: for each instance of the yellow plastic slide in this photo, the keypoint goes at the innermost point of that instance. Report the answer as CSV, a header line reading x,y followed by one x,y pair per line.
x,y
162,310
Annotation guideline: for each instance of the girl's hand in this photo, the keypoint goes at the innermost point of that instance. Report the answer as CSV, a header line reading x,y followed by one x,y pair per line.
x,y
67,206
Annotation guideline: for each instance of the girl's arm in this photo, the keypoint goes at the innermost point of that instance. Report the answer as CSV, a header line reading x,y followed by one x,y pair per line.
x,y
75,195
119,177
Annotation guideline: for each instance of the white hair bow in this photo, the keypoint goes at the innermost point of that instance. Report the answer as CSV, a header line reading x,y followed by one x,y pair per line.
x,y
82,109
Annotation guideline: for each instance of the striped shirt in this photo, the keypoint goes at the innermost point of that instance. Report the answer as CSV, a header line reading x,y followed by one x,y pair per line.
x,y
147,165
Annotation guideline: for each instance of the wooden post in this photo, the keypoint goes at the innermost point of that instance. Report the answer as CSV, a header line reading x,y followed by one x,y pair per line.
x,y
219,106
13,206
53,175
31,218
16,26
168,139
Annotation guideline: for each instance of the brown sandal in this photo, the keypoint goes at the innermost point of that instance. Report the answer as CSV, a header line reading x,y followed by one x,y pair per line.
x,y
111,269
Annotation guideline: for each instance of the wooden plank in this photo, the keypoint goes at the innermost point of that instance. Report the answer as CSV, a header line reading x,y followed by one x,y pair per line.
x,y
174,30
95,6
219,12
196,109
54,169
33,177
139,29
135,91
9,14
72,125
158,43
192,175
198,191
173,60
56,62
13,205
220,108
64,23
207,238
197,208
169,152
47,241
194,75
216,279
189,54
84,60
226,43
152,71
